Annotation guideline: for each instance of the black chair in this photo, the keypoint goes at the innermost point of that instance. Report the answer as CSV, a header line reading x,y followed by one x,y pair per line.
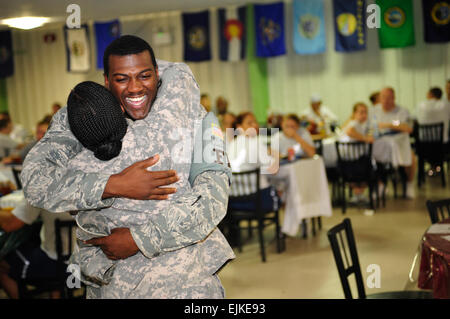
x,y
430,148
16,174
342,241
355,166
319,147
245,205
438,210
30,288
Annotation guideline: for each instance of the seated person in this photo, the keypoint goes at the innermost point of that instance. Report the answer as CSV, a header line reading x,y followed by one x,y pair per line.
x,y
357,128
392,118
227,122
434,110
320,118
31,261
8,146
96,120
41,128
294,137
248,152
18,133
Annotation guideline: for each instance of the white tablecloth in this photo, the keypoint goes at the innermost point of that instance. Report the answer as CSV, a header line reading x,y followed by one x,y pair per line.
x,y
307,192
394,149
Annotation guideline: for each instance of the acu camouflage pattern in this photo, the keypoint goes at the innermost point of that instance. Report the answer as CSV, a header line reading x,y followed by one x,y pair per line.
x,y
160,228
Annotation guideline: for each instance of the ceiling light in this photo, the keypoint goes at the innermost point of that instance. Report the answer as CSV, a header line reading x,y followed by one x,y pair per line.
x,y
26,23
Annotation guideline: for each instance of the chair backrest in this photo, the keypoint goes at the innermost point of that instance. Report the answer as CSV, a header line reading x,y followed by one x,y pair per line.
x,y
354,160
319,147
430,133
342,243
64,228
438,210
245,183
16,174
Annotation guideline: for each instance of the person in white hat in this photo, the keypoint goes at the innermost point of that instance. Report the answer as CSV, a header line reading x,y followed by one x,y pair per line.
x,y
319,116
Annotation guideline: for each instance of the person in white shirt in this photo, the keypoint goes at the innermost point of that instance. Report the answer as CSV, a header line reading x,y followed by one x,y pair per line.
x,y
320,117
294,137
357,130
18,133
393,119
8,146
29,261
248,152
434,110
357,127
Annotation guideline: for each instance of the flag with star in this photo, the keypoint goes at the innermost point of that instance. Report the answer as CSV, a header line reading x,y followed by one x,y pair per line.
x,y
232,33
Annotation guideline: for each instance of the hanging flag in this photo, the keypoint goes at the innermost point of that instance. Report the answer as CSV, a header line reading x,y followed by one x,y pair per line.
x,y
6,54
257,72
269,28
436,16
232,37
397,23
309,27
3,96
196,36
77,49
105,33
349,25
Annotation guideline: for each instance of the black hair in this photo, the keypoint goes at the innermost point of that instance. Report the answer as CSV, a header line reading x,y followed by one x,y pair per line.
x,y
96,119
126,45
373,97
4,123
436,92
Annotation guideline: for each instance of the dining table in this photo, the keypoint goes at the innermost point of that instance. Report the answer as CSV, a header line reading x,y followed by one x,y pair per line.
x,y
435,260
307,192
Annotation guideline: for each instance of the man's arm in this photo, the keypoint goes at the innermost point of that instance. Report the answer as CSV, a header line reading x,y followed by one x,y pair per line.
x,y
50,184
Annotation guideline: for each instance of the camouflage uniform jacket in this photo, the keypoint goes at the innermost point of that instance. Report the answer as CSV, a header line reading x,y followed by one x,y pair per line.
x,y
160,228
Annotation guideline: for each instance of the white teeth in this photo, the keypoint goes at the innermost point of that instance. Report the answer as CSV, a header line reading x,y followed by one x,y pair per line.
x,y
136,99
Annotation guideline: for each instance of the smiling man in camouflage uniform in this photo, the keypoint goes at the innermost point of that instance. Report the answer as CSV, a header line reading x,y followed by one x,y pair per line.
x,y
167,256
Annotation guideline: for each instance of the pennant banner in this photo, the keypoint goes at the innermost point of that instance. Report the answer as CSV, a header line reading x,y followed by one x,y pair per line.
x,y
105,33
269,27
6,54
196,36
77,49
232,34
436,15
349,25
309,27
397,23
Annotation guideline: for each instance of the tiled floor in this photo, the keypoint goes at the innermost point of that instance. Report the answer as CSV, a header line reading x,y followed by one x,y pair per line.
x,y
306,269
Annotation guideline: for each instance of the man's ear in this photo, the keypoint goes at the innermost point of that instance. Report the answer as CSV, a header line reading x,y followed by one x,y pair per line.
x,y
106,81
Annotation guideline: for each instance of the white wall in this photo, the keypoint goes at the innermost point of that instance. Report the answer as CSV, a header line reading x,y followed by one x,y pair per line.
x,y
342,79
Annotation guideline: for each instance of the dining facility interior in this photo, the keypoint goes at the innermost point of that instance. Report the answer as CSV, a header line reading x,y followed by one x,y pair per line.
x,y
347,158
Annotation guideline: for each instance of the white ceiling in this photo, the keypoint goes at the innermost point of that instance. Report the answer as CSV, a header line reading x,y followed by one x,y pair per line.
x,y
105,9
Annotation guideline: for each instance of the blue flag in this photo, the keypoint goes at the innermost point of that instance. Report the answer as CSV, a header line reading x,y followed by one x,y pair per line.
x,y
436,14
232,33
349,25
309,27
269,29
196,36
105,33
6,54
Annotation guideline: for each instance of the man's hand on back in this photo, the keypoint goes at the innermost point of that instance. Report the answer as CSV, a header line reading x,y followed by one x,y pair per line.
x,y
119,245
136,182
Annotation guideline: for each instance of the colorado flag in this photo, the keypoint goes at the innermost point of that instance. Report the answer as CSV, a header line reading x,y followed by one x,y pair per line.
x,y
232,33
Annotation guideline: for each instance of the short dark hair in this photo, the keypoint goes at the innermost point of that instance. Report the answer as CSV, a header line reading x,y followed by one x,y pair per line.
x,y
126,45
4,123
293,117
373,97
436,92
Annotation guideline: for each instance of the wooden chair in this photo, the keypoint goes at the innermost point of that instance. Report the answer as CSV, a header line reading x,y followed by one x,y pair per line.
x,y
245,204
343,245
438,210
